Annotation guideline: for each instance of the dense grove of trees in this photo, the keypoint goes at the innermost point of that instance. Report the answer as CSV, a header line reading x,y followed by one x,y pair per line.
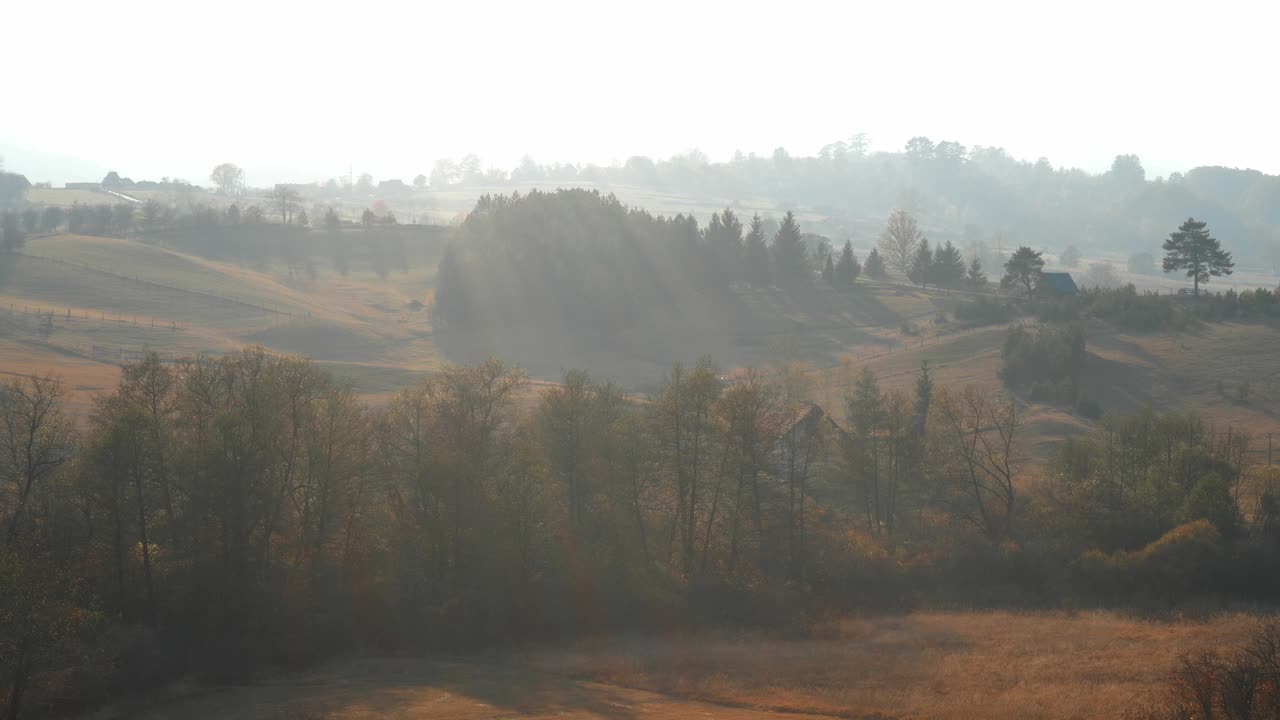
x,y
218,514
581,268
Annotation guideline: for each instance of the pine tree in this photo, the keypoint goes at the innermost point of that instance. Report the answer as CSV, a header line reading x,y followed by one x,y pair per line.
x,y
1191,248
759,265
829,273
924,391
790,260
948,266
847,269
724,237
875,265
977,278
921,269
1023,269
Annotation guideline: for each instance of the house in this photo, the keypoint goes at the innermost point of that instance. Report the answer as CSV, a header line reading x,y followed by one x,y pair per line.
x,y
1059,284
393,187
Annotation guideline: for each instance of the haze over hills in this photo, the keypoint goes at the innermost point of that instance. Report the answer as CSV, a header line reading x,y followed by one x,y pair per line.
x,y
620,361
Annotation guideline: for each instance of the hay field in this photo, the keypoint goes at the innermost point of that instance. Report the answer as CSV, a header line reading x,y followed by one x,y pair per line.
x,y
954,665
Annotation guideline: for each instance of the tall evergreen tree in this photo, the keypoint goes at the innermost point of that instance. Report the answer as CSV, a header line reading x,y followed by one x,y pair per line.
x,y
875,265
1193,249
724,238
759,265
921,268
847,269
924,392
976,278
790,257
829,272
948,266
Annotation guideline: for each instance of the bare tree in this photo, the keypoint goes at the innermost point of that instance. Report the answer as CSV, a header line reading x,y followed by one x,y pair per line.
x,y
286,201
35,440
228,178
899,240
978,436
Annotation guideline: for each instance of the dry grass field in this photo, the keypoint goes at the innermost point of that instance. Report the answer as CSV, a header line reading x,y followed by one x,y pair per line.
x,y
955,665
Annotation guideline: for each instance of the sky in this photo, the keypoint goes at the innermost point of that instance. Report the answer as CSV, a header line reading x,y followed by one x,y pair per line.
x,y
300,91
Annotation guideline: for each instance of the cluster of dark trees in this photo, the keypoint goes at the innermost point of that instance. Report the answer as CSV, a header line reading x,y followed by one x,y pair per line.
x,y
908,251
221,514
579,264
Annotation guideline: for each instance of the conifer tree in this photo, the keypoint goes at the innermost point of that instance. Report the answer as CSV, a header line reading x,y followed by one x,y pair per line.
x,y
875,265
948,266
921,269
1023,269
829,273
847,269
1193,249
790,259
976,278
759,264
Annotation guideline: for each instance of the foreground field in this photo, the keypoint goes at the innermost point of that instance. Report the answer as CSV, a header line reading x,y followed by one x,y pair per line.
x,y
399,688
989,665
965,665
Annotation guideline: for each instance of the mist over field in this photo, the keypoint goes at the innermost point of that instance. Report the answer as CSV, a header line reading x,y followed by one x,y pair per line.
x,y
662,360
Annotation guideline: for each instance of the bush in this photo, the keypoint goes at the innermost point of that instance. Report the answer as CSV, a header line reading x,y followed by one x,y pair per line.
x,y
1210,499
1244,683
984,311
1089,409
1051,355
1185,558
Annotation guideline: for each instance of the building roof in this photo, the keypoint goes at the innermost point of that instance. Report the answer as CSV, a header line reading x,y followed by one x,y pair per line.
x,y
1059,283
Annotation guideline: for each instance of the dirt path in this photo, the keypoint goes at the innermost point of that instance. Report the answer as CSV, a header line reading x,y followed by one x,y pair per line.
x,y
399,688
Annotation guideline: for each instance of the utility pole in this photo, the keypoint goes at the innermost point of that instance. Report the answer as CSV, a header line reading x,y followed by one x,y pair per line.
x,y
1268,449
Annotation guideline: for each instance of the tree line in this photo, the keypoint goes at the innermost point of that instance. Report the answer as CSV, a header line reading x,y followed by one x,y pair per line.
x,y
975,194
221,514
240,234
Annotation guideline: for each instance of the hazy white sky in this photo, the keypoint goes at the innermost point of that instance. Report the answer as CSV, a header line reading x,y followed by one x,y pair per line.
x,y
300,90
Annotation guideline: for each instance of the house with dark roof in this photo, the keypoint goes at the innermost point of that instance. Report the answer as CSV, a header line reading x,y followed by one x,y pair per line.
x,y
1058,283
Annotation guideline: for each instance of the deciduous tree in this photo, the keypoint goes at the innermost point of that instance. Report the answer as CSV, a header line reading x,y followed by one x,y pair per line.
x,y
900,240
227,178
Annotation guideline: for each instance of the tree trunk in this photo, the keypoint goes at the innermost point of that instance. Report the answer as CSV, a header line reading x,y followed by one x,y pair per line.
x,y
146,550
21,669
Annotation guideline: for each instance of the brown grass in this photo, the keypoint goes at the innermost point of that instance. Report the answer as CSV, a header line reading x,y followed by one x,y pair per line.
x,y
979,665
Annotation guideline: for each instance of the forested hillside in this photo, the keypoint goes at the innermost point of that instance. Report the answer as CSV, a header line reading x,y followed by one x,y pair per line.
x,y
977,194
575,278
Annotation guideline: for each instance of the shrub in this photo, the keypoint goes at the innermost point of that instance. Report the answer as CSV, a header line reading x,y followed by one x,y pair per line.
x,y
1243,684
1187,557
984,311
1048,354
1210,499
1089,409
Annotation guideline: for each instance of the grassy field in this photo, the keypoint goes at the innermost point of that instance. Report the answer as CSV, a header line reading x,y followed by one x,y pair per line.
x,y
132,296
979,665
78,306
955,665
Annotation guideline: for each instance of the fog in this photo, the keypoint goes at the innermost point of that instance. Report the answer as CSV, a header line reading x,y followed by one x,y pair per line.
x,y
294,93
